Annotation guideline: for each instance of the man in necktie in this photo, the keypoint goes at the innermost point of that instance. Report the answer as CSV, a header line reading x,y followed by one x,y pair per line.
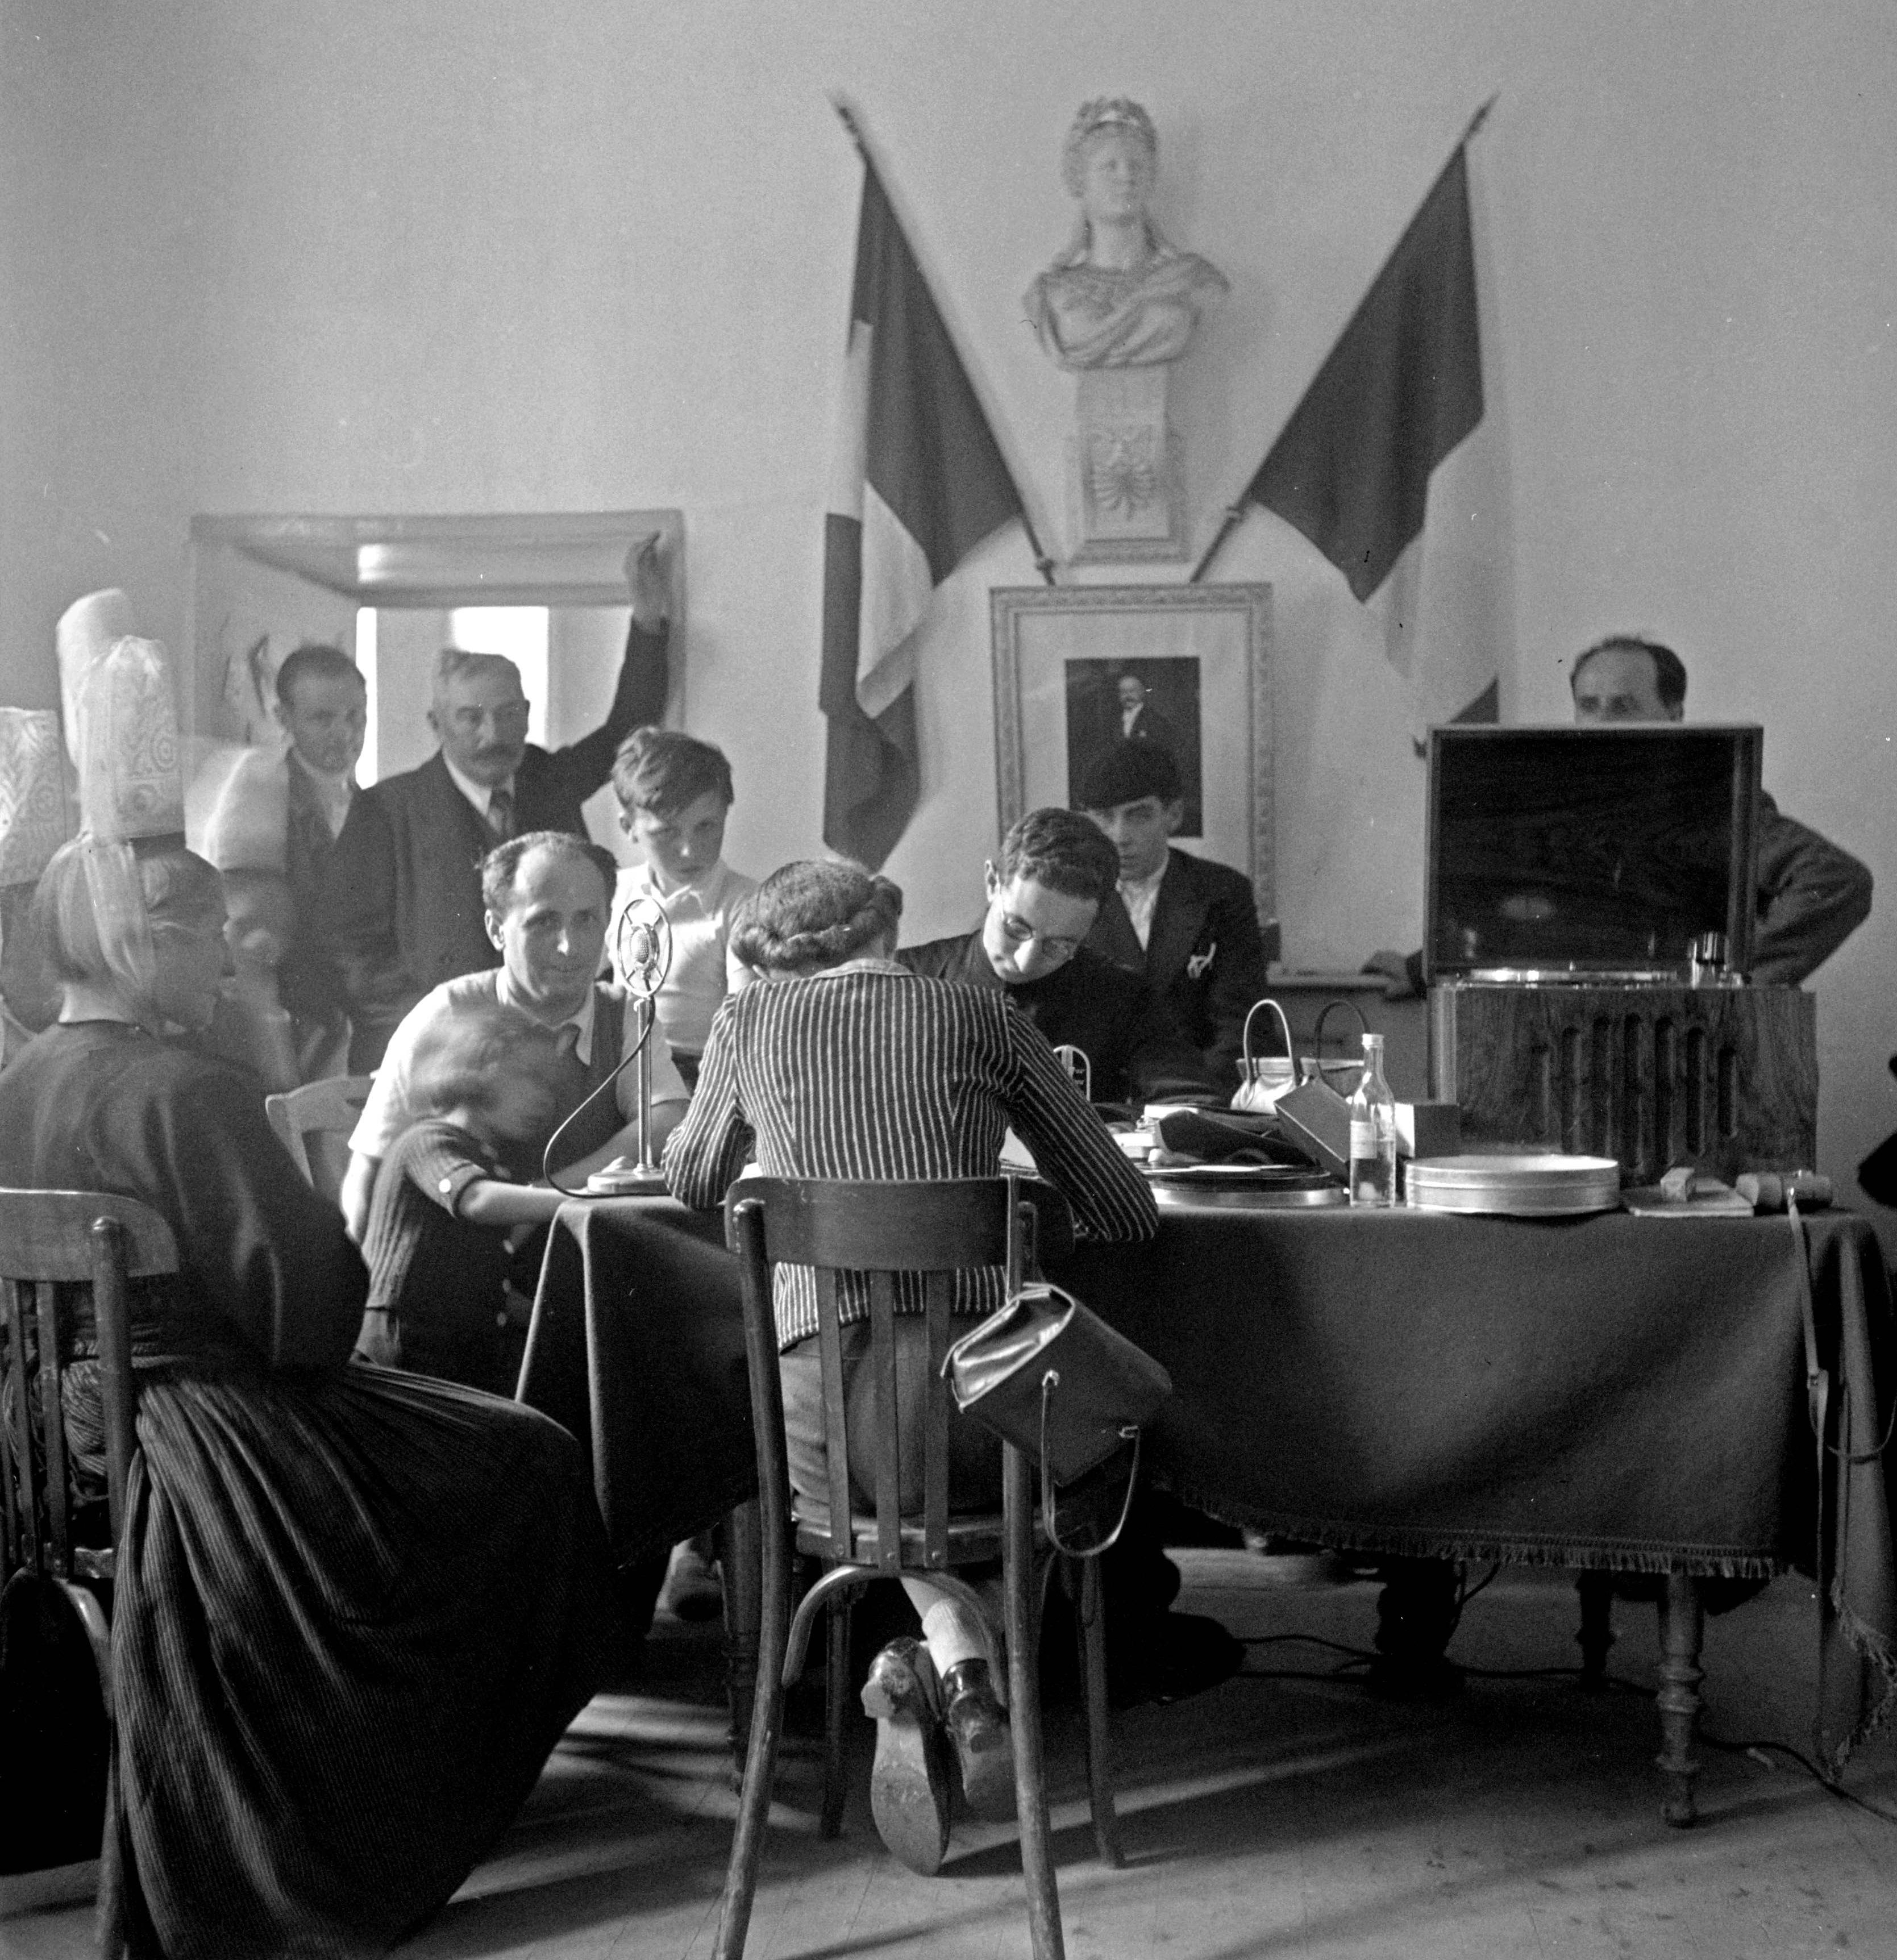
x,y
402,900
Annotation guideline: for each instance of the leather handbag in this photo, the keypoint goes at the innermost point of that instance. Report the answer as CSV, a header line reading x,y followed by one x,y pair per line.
x,y
1047,1375
1265,1077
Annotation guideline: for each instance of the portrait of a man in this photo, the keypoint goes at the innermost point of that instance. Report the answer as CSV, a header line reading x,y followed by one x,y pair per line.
x,y
1157,701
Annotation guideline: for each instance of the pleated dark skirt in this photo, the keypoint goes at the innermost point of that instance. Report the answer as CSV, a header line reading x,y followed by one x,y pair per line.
x,y
355,1611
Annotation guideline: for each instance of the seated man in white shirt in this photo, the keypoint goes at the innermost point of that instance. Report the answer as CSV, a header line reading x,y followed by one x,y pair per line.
x,y
1187,925
675,793
547,896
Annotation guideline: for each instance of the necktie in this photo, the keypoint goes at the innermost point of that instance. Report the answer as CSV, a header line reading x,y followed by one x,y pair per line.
x,y
501,814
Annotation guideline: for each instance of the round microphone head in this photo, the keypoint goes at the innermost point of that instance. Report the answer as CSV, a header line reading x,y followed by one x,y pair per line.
x,y
643,948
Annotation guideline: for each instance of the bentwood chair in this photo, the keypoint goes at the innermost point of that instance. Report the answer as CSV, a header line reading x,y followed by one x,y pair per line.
x,y
56,1249
327,1107
880,1229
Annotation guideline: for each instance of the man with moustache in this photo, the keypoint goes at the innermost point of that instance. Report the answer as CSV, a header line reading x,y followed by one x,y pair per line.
x,y
401,907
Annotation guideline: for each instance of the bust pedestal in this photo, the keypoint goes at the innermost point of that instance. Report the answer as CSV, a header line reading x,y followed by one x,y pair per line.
x,y
1126,474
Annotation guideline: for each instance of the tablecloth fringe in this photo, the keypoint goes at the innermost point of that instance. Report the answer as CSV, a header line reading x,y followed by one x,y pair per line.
x,y
1876,1648
1705,1561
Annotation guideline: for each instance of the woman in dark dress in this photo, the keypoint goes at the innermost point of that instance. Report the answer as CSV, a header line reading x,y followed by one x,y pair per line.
x,y
356,1609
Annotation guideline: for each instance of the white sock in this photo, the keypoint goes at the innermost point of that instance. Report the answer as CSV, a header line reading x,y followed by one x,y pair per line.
x,y
953,1634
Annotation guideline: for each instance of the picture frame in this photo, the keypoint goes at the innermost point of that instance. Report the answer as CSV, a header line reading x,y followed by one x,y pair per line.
x,y
1077,667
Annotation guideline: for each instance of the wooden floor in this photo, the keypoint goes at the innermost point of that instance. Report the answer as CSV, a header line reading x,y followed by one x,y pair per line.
x,y
1267,1818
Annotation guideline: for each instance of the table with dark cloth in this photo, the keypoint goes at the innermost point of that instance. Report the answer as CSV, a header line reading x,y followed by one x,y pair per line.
x,y
1609,1393
637,1346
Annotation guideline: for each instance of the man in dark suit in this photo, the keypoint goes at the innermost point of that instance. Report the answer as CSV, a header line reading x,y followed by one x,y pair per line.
x,y
402,892
1188,927
1140,720
323,706
1055,870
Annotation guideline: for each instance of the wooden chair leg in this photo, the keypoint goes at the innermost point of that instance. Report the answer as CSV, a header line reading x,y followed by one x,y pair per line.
x,y
760,1766
741,1559
1089,1616
1596,1634
836,1711
1682,1626
1024,1664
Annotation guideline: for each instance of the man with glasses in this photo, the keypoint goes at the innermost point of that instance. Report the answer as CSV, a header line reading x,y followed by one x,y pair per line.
x,y
1055,871
402,896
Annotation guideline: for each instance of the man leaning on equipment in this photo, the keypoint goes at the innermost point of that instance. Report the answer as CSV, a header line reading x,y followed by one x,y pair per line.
x,y
1811,895
401,894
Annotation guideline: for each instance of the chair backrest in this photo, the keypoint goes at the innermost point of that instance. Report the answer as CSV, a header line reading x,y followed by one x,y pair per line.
x,y
879,1229
330,1106
54,1245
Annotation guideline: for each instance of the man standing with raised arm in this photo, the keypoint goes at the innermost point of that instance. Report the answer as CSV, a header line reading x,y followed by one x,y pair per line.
x,y
401,904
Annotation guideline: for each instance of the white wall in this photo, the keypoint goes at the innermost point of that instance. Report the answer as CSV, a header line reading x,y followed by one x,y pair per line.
x,y
516,255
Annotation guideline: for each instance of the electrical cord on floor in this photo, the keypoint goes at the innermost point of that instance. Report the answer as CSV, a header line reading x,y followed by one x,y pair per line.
x,y
1355,1660
1308,1640
1465,1593
1759,1750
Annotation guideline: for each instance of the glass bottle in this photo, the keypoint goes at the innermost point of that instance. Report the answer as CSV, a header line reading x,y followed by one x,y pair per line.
x,y
1372,1148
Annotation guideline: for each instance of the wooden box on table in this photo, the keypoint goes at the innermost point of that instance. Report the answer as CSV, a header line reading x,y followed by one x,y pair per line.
x,y
1725,1079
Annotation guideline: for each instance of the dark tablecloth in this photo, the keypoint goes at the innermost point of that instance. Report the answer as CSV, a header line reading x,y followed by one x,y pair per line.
x,y
1612,1393
637,1346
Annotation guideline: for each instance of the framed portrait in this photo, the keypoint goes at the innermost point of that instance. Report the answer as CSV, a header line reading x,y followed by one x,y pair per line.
x,y
1078,668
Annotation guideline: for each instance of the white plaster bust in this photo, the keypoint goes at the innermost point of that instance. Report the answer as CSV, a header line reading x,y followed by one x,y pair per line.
x,y
1119,295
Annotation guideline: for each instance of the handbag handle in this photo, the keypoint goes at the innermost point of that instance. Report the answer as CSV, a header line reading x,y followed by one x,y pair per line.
x,y
1251,1066
1315,1066
1330,1008
1049,1382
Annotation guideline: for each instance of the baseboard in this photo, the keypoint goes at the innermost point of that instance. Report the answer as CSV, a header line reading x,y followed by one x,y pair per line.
x,y
56,1884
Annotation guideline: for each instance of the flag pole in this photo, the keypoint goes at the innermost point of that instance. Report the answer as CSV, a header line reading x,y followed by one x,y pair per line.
x,y
1042,563
1235,513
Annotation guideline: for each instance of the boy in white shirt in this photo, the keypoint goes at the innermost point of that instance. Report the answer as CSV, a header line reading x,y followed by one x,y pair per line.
x,y
675,793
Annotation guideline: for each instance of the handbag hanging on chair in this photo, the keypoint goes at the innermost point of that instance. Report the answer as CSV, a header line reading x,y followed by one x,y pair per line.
x,y
1047,1375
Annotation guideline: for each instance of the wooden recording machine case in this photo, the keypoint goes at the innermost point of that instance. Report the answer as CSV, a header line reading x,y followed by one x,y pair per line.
x,y
1723,1078
1577,879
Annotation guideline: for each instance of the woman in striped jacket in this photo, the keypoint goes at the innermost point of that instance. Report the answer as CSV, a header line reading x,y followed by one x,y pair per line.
x,y
849,1066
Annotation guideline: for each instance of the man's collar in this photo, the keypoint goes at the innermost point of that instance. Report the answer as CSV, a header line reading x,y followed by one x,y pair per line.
x,y
337,785
704,887
477,794
582,1019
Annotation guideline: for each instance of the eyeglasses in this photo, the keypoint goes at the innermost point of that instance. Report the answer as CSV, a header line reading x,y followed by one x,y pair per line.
x,y
1018,932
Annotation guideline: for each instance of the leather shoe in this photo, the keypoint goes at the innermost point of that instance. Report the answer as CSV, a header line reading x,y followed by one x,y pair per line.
x,y
977,1725
908,1786
692,1590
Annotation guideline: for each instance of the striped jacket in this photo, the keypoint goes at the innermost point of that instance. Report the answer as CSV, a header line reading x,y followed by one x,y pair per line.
x,y
871,1071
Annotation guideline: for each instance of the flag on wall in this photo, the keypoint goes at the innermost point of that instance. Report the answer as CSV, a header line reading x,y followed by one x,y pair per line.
x,y
1352,469
918,481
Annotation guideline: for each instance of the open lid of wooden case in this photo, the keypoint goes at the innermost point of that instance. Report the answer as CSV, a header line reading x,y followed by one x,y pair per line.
x,y
1589,853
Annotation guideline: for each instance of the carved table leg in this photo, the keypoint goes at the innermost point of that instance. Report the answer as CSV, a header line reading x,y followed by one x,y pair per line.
x,y
1682,1624
1596,1634
741,1557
